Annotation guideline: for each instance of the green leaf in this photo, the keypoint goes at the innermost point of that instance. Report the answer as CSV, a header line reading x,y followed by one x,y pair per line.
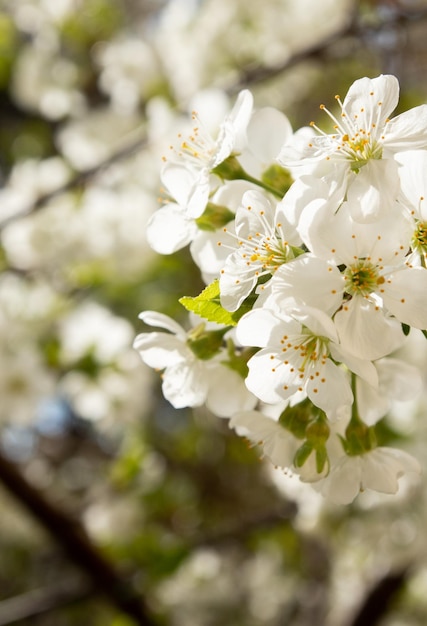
x,y
207,304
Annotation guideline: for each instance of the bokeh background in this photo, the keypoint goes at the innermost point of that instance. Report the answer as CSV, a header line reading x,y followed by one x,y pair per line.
x,y
116,509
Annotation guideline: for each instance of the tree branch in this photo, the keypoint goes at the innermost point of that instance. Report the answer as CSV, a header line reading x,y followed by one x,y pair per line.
x,y
377,601
77,545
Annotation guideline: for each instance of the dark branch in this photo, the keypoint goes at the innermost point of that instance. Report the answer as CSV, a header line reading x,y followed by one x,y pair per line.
x,y
377,601
78,547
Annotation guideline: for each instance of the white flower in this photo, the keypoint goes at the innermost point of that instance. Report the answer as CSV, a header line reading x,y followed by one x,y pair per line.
x,y
378,469
277,443
413,180
202,151
188,380
170,228
397,381
295,357
267,131
263,243
360,269
358,156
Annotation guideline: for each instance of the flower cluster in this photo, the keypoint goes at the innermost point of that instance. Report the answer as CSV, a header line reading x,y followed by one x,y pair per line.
x,y
313,247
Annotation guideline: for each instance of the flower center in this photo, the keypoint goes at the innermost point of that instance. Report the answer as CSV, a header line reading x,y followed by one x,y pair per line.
x,y
312,349
419,238
198,148
362,278
270,253
357,137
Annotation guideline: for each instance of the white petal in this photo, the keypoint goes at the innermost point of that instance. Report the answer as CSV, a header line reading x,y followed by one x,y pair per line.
x,y
160,320
330,391
342,484
413,179
399,380
371,402
261,327
278,444
407,131
208,251
316,320
268,378
373,189
310,281
268,130
160,350
375,97
185,384
365,331
363,368
170,229
227,392
405,296
188,186
382,467
236,282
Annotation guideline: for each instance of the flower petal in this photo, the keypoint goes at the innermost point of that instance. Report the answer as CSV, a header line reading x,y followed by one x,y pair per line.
x,y
405,296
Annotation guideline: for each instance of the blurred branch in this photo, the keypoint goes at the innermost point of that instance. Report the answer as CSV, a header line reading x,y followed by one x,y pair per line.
x,y
240,531
319,51
377,601
40,601
352,28
77,180
76,544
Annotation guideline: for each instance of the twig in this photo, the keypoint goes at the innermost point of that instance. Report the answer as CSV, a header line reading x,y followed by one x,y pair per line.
x,y
376,603
78,547
43,600
78,179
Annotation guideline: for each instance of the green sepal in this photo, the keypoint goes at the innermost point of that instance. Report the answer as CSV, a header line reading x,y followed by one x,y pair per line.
x,y
205,343
296,418
277,177
321,459
359,438
302,454
214,217
424,332
230,169
406,329
238,361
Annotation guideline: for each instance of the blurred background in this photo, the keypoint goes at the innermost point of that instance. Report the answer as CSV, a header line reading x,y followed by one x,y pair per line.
x,y
116,509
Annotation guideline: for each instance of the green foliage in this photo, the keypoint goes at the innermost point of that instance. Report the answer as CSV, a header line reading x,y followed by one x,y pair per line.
x,y
98,19
208,305
8,48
